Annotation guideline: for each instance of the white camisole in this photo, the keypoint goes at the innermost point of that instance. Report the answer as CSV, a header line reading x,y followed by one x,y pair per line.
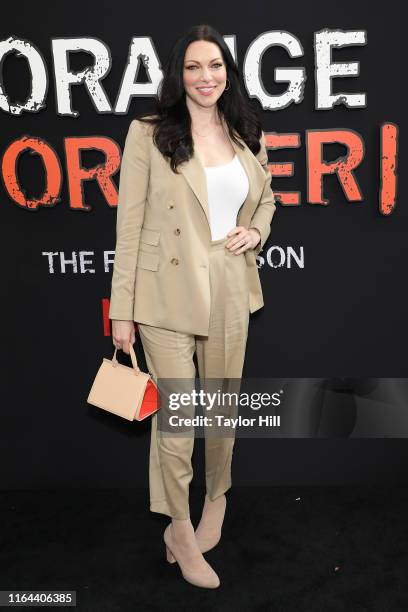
x,y
227,188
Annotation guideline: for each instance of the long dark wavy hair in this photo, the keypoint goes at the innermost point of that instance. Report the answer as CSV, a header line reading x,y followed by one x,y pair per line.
x,y
171,117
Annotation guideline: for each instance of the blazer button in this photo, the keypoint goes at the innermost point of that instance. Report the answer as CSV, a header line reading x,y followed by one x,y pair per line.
x,y
177,231
174,261
170,205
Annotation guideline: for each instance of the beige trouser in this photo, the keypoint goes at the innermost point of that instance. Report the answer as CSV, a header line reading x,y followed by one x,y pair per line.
x,y
220,356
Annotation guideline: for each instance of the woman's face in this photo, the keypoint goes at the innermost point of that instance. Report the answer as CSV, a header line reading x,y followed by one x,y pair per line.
x,y
204,67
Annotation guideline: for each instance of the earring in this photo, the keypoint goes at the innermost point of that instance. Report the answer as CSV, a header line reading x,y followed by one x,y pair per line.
x,y
226,88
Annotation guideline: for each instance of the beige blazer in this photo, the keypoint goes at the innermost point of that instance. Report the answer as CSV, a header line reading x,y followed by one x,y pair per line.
x,y
161,274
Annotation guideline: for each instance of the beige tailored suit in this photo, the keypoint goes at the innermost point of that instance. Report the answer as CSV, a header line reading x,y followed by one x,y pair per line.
x,y
188,294
163,227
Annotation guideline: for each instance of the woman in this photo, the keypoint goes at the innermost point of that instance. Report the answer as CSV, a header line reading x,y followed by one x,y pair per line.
x,y
195,207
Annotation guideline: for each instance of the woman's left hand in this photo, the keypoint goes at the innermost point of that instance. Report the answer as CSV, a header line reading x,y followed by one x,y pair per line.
x,y
242,239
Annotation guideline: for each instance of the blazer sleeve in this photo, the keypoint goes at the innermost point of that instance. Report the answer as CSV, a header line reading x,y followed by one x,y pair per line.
x,y
262,217
133,186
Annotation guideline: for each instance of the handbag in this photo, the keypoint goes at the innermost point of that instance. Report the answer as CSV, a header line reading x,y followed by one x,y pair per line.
x,y
124,391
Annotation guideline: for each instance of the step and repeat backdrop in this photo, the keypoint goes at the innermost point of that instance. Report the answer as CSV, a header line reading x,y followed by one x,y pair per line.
x,y
332,335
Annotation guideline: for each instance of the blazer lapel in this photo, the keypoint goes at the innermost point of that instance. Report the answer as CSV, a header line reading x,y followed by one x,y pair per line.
x,y
194,173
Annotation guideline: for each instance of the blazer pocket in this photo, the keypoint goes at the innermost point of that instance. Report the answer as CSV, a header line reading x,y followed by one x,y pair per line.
x,y
147,261
149,236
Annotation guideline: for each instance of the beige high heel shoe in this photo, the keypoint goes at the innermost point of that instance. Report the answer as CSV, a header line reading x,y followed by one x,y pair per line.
x,y
208,580
209,541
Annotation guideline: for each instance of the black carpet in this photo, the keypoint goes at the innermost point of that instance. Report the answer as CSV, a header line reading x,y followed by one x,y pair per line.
x,y
283,548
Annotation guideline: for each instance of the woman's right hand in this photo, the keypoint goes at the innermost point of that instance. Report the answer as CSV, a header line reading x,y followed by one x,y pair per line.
x,y
123,334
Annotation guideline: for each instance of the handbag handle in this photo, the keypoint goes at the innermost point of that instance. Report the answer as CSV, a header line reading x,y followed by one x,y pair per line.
x,y
132,356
